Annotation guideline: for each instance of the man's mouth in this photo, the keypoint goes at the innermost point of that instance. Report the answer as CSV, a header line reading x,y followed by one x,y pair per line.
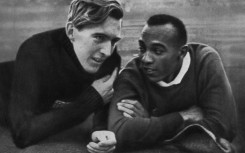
x,y
98,60
149,70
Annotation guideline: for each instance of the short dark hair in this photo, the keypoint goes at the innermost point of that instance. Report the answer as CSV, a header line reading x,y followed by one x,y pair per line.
x,y
162,19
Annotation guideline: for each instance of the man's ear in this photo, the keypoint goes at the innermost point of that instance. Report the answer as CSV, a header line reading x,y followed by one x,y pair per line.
x,y
70,31
183,51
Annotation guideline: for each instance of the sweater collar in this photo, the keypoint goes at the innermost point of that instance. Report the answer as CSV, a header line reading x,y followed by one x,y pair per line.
x,y
184,68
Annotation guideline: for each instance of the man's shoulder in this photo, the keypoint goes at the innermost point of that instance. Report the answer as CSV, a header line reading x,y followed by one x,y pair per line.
x,y
132,69
41,41
202,51
201,48
47,36
50,32
44,38
38,47
132,65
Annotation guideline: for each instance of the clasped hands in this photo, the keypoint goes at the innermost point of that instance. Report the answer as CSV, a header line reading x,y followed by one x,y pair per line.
x,y
102,142
133,108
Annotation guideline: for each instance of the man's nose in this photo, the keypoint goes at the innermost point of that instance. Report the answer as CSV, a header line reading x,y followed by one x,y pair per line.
x,y
147,59
106,49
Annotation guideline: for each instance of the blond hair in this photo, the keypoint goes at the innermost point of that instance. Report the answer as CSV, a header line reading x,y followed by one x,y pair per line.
x,y
87,12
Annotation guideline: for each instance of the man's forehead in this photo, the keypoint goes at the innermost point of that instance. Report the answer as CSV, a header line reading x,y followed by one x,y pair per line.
x,y
166,30
160,32
110,27
101,2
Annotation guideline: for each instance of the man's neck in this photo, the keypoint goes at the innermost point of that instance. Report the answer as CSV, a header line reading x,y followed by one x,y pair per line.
x,y
177,77
173,75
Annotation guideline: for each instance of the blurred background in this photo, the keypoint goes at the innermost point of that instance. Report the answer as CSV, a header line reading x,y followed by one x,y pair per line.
x,y
218,23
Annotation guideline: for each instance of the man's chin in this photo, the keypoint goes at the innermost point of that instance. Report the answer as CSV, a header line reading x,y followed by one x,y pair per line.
x,y
92,70
153,79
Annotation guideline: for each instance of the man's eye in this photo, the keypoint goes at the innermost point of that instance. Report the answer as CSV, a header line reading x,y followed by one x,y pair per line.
x,y
157,51
100,38
141,49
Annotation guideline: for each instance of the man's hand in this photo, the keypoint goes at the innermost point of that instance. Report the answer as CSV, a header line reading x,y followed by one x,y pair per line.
x,y
104,86
102,142
132,108
193,114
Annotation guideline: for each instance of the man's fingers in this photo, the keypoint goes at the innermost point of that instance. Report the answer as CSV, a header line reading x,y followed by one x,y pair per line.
x,y
96,147
126,110
98,136
109,96
131,107
110,139
93,150
127,115
111,136
139,106
111,149
136,103
107,143
90,149
101,138
113,76
129,101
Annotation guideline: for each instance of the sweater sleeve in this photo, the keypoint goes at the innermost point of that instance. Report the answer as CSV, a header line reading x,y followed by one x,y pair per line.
x,y
215,97
138,131
29,124
100,119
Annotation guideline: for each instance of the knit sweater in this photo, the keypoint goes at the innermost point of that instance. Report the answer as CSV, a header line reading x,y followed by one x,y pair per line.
x,y
51,91
205,85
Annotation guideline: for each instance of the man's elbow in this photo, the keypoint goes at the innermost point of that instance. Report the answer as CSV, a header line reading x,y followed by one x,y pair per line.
x,y
21,138
21,143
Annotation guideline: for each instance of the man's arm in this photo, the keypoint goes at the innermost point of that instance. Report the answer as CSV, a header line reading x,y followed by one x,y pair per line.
x,y
215,97
101,139
100,118
29,123
138,130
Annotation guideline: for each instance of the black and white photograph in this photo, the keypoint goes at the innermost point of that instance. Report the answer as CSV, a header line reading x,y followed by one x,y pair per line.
x,y
122,76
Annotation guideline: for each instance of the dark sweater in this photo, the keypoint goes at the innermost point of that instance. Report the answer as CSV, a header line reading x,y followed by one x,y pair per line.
x,y
205,85
51,91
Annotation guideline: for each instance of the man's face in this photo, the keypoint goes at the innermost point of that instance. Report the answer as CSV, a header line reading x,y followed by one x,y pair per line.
x,y
160,58
94,43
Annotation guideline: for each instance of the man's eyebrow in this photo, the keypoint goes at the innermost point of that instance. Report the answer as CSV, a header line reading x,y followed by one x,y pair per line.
x,y
158,45
100,34
107,36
